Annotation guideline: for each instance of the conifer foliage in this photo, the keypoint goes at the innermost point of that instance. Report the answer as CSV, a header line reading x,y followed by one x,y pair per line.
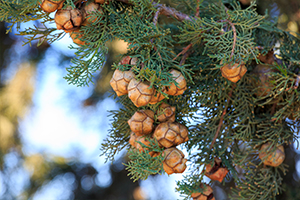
x,y
208,87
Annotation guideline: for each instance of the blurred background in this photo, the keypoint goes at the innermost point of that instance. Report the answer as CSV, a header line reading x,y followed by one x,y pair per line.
x,y
50,132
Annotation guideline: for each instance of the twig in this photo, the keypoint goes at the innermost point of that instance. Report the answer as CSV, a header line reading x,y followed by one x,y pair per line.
x,y
167,11
183,51
155,19
184,57
198,9
221,120
234,35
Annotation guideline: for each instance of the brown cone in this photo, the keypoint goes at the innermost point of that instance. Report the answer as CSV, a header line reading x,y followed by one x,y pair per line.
x,y
180,80
139,92
51,6
76,35
166,113
273,159
174,161
216,172
207,194
88,8
68,19
141,123
156,97
125,61
134,139
120,80
169,134
263,85
233,72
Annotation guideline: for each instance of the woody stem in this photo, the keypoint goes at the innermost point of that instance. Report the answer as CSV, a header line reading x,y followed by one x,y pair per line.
x,y
221,120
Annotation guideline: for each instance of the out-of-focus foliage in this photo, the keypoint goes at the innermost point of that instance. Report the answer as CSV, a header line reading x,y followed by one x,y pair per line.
x,y
35,172
15,98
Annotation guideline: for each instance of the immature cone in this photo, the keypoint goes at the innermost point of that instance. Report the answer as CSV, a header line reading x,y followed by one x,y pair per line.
x,y
68,19
180,80
174,161
275,158
169,134
134,139
166,113
88,8
76,36
233,72
139,92
207,194
51,6
156,97
263,73
216,172
120,80
141,123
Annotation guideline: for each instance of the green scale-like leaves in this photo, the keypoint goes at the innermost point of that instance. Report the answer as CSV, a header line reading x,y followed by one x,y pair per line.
x,y
225,120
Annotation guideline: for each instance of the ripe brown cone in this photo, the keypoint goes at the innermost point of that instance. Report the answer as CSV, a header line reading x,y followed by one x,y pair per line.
x,y
139,92
207,194
169,134
273,159
216,172
166,113
156,97
88,8
181,84
233,72
51,6
120,80
141,123
134,139
76,35
174,161
68,19
263,73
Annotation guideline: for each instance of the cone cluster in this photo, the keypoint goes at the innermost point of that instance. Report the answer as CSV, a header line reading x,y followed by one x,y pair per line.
x,y
71,19
140,92
168,133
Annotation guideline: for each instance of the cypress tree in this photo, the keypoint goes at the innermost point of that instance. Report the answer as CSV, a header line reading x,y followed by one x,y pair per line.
x,y
230,73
